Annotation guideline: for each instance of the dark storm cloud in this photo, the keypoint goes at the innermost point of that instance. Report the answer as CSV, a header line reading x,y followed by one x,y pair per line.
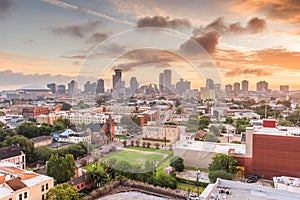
x,y
79,30
163,22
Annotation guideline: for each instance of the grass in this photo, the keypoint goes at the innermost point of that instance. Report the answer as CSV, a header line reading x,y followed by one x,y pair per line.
x,y
121,136
91,167
186,187
150,150
195,168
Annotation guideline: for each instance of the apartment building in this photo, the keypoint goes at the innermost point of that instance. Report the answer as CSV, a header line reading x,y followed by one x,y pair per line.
x,y
13,154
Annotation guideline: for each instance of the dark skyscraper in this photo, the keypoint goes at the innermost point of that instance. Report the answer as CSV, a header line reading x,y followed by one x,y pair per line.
x,y
117,78
73,87
168,79
52,87
236,87
89,88
209,84
100,86
61,89
161,81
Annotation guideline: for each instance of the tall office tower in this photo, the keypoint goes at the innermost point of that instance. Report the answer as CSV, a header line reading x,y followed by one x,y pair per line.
x,y
100,86
236,87
73,87
134,85
262,86
117,78
52,87
161,82
168,79
209,84
89,88
217,87
228,88
245,86
182,86
284,88
61,89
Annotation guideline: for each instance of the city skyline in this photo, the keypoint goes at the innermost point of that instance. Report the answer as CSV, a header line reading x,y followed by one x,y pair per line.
x,y
260,44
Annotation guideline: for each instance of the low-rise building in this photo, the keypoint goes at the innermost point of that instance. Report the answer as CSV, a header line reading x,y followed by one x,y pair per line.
x,y
19,184
287,183
13,154
41,141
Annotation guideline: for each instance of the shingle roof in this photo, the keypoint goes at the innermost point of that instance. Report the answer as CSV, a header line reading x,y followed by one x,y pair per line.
x,y
15,184
94,127
40,138
11,151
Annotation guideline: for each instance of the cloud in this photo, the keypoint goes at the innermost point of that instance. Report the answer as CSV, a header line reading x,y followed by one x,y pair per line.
x,y
114,49
75,57
79,30
98,37
283,10
163,22
85,10
254,25
262,62
18,80
141,57
208,42
248,71
5,6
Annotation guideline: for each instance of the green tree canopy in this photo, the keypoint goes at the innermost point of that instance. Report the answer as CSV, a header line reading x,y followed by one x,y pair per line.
x,y
213,175
63,192
223,162
204,122
66,107
177,163
61,168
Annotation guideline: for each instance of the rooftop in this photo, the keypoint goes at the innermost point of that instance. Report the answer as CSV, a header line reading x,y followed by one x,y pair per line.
x,y
11,151
280,131
224,189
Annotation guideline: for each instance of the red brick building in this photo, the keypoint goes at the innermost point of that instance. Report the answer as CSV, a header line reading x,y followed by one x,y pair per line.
x,y
272,151
33,111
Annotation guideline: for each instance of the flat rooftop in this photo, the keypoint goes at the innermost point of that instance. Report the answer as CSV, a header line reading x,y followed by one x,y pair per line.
x,y
211,146
245,191
280,131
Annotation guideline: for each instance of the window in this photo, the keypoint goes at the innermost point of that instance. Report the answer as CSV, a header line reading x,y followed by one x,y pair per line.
x,y
20,196
47,186
43,188
25,195
43,197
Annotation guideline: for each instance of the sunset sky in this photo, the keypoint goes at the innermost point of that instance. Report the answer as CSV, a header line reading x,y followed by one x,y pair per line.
x,y
45,41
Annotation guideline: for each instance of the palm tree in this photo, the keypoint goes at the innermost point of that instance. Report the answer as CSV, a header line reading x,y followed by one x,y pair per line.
x,y
124,143
98,177
137,143
148,144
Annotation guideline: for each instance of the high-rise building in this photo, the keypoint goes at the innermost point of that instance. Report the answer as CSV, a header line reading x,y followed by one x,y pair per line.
x,y
236,87
89,88
284,88
161,82
262,86
168,79
134,85
228,88
182,86
61,89
209,84
52,87
100,86
217,87
117,78
245,86
73,87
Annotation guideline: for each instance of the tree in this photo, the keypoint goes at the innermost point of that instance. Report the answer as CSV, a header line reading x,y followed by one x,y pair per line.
x,y
294,118
148,144
210,137
204,122
285,123
1,124
156,145
65,123
63,192
42,154
61,168
98,177
216,130
124,143
229,120
26,145
223,162
137,143
144,144
66,107
177,163
213,175
28,129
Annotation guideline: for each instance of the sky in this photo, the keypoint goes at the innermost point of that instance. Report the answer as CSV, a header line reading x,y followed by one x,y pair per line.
x,y
45,41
